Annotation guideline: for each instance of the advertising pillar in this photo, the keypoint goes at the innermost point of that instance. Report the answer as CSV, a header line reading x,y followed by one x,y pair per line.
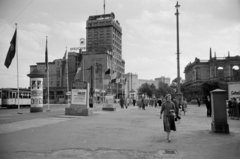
x,y
36,95
36,85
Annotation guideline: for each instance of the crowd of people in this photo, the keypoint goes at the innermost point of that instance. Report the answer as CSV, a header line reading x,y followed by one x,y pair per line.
x,y
234,108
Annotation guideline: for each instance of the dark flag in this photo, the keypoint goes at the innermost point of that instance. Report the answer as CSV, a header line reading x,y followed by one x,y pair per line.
x,y
46,57
11,50
64,63
107,72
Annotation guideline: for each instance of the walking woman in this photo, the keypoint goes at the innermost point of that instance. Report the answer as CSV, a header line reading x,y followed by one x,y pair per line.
x,y
168,108
209,107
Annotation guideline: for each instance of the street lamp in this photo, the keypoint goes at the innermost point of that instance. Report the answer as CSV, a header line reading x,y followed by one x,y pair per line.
x,y
178,94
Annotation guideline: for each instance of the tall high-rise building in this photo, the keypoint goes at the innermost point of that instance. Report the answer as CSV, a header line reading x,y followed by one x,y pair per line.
x,y
104,33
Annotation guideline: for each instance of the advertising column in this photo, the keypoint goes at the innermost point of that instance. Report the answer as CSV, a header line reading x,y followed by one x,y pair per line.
x,y
36,94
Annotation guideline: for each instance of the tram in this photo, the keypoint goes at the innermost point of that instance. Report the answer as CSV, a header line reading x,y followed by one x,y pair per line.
x,y
9,97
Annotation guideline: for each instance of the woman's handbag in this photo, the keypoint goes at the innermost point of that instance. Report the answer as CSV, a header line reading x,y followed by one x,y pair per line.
x,y
172,113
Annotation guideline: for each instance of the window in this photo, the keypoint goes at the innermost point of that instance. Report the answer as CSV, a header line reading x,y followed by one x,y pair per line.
x,y
220,72
235,72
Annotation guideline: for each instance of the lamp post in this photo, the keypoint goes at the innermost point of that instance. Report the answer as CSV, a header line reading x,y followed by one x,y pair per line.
x,y
178,94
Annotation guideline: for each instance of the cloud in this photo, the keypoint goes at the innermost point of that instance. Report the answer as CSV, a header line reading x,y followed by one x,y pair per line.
x,y
70,30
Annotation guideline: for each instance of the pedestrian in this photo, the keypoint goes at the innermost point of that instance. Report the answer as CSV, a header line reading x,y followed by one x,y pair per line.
x,y
208,106
176,109
230,108
168,109
199,102
91,102
134,101
235,109
126,102
143,103
122,102
184,106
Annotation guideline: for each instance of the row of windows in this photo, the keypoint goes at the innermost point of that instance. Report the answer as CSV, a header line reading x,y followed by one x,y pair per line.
x,y
99,23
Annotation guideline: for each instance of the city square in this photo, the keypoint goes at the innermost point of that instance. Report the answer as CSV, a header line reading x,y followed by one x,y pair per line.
x,y
100,79
126,133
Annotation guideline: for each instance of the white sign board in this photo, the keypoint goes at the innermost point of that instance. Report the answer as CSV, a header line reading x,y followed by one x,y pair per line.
x,y
109,100
234,90
79,96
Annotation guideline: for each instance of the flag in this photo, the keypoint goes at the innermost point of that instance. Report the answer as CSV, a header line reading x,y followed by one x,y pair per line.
x,y
64,63
79,57
46,57
114,76
107,72
118,80
11,50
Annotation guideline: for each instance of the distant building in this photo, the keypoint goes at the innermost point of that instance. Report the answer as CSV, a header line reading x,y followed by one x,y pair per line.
x,y
163,80
104,33
133,84
225,69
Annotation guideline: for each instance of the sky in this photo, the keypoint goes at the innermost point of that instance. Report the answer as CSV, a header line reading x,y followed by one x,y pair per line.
x,y
149,43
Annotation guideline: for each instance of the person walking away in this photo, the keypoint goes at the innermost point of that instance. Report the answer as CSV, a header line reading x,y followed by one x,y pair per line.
x,y
126,102
134,101
159,102
208,106
235,109
139,103
176,109
184,106
143,103
167,110
198,102
230,108
121,102
91,102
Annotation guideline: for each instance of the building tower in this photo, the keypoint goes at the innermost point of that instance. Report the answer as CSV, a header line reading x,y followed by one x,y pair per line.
x,y
104,33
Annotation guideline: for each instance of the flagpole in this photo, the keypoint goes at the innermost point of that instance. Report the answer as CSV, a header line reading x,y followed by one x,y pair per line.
x,y
102,85
67,76
17,72
83,65
47,80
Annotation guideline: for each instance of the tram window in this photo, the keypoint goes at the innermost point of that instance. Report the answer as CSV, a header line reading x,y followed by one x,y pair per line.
x,y
0,94
14,95
10,94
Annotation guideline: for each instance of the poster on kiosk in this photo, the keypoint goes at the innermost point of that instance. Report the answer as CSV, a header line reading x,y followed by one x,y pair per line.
x,y
80,94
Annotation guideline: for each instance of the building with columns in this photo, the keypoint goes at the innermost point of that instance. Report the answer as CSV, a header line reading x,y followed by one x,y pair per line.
x,y
225,69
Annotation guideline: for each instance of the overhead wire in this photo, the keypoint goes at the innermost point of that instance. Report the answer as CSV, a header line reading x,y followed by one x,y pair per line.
x,y
17,16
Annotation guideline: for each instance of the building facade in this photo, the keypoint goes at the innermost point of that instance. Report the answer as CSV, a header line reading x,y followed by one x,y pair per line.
x,y
225,69
104,33
163,80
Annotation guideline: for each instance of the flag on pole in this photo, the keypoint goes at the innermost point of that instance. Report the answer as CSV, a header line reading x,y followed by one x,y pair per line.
x,y
46,57
11,50
64,63
107,72
114,76
118,80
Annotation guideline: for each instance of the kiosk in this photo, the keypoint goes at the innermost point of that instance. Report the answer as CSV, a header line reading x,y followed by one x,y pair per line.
x,y
79,99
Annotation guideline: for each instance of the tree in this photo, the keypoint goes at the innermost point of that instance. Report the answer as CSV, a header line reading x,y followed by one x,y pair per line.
x,y
164,89
147,89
